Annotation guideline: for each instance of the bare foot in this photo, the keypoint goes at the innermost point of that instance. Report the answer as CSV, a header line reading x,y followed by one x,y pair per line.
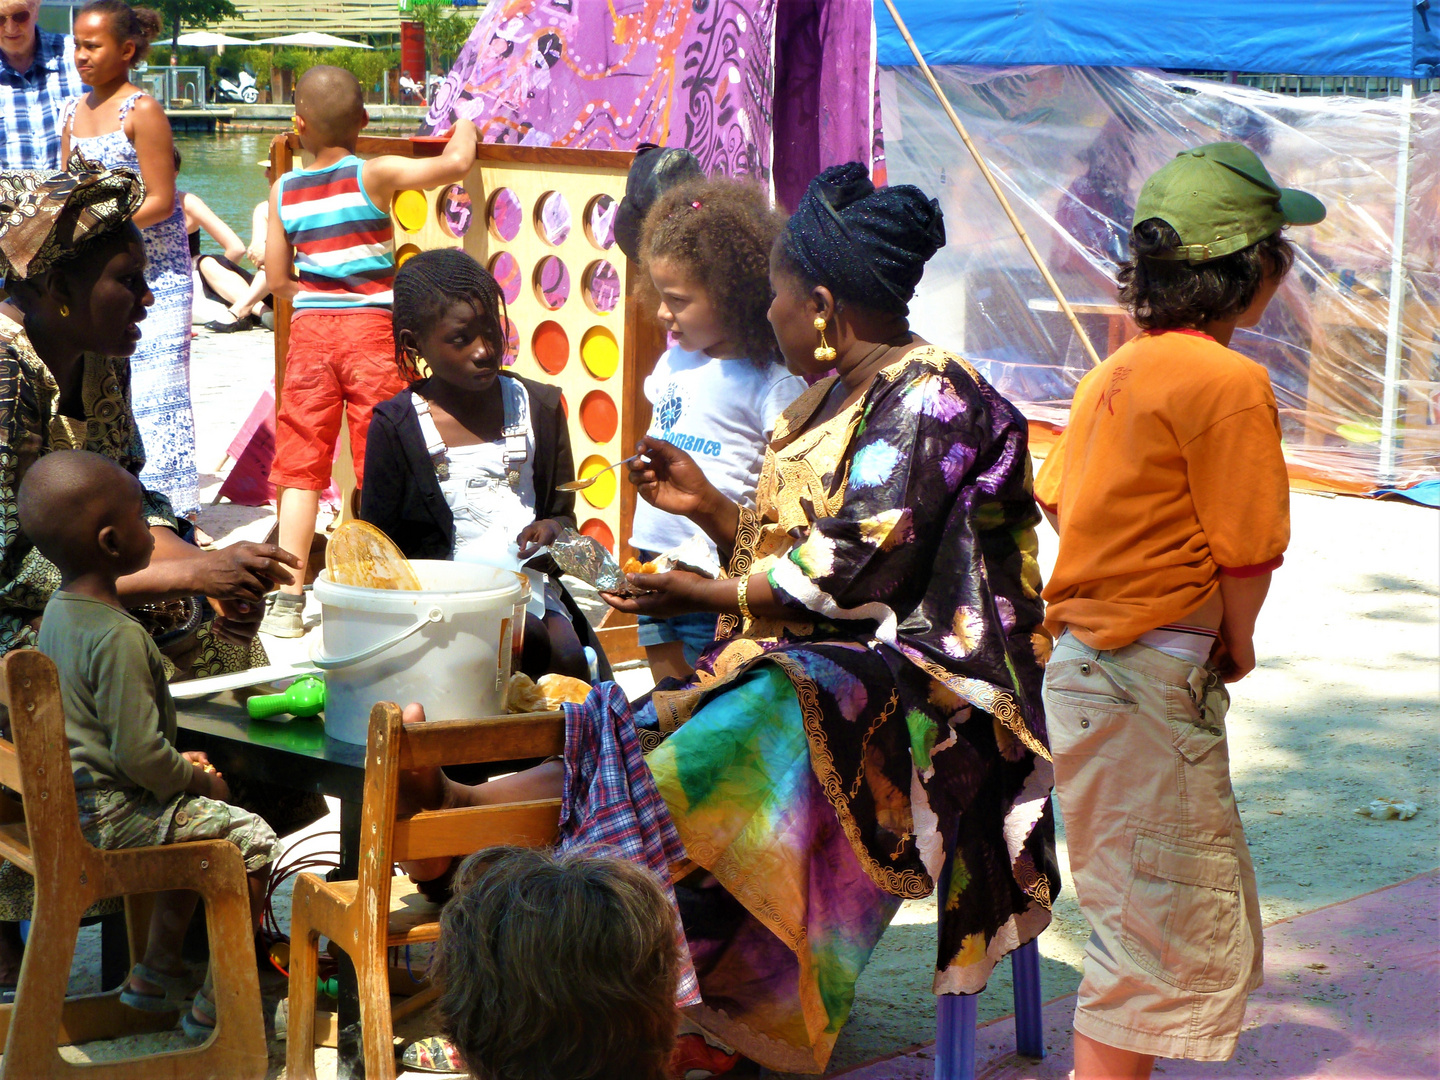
x,y
421,789
424,789
431,789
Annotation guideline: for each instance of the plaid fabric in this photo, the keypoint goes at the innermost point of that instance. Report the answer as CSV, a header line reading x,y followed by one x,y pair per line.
x,y
30,103
611,801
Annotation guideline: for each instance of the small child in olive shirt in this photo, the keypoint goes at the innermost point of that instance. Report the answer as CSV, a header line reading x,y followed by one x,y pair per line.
x,y
84,513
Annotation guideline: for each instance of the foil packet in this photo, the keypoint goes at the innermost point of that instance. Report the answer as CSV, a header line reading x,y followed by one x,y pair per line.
x,y
585,558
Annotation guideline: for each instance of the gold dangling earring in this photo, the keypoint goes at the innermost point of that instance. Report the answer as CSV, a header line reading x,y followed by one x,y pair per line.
x,y
64,312
825,353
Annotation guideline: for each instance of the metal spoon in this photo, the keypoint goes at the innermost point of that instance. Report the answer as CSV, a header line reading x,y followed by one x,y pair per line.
x,y
581,485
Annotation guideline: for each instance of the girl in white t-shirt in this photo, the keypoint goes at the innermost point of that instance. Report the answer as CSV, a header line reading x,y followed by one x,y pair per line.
x,y
717,391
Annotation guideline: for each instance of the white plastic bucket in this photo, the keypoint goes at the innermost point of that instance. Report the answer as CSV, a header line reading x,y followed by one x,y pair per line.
x,y
448,646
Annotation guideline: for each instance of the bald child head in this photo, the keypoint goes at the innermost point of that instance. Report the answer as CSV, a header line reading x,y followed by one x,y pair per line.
x,y
85,514
331,103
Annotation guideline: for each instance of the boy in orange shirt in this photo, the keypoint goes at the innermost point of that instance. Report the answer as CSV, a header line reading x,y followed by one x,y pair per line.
x,y
1170,496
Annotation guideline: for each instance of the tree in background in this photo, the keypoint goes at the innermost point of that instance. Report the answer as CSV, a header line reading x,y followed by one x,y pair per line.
x,y
446,30
368,66
261,62
197,13
296,61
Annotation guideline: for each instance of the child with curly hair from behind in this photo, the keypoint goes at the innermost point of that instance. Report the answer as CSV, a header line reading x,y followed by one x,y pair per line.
x,y
718,390
558,966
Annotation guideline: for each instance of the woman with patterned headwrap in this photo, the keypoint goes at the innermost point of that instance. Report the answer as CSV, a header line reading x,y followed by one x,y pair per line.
x,y
869,722
74,265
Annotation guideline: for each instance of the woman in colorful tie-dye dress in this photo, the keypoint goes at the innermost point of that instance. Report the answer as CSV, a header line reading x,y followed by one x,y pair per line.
x,y
872,723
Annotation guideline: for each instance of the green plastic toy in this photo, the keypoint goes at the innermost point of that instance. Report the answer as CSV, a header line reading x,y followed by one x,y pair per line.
x,y
305,697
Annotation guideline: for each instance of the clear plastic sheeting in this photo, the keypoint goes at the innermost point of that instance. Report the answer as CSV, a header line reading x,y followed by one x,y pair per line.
x,y
1071,146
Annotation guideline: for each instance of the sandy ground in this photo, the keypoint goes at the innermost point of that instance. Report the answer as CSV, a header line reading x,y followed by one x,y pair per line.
x,y
1351,990
1341,710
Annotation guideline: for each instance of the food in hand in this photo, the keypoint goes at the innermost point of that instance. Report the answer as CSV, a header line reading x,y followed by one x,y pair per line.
x,y
585,558
558,689
635,566
693,555
360,554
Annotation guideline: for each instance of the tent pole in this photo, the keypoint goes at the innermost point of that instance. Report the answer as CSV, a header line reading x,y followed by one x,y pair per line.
x,y
1390,391
994,185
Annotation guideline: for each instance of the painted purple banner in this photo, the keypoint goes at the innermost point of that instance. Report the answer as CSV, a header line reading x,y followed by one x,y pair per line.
x,y
704,74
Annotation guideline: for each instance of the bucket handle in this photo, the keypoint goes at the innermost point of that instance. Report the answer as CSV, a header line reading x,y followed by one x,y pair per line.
x,y
330,663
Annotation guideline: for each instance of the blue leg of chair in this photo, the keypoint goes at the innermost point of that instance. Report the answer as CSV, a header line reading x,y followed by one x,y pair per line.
x,y
954,1017
955,1037
1029,1023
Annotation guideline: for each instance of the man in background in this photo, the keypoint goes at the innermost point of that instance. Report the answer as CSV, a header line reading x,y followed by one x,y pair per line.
x,y
37,74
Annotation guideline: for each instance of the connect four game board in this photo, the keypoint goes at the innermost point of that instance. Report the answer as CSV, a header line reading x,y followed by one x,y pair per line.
x,y
542,220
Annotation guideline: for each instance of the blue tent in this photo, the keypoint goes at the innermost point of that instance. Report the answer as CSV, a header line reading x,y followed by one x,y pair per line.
x,y
1395,38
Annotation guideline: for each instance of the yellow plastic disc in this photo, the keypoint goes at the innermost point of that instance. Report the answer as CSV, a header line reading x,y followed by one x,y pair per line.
x,y
1359,433
411,210
360,554
601,493
405,254
600,352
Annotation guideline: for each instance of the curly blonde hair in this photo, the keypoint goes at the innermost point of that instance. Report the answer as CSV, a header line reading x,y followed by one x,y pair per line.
x,y
720,232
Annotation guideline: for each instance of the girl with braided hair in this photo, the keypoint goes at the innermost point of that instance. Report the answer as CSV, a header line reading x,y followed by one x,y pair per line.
x,y
467,461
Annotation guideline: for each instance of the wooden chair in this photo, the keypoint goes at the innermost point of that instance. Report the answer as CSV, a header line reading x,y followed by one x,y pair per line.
x,y
43,838
378,911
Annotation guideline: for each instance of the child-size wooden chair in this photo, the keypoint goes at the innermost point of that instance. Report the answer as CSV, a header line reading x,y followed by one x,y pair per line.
x,y
378,911
42,836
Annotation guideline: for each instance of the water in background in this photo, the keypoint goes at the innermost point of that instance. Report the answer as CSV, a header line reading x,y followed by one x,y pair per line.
x,y
223,170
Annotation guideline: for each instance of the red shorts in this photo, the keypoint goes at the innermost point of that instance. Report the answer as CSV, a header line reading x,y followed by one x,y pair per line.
x,y
337,363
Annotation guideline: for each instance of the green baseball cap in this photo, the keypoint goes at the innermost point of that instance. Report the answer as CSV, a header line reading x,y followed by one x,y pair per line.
x,y
1220,199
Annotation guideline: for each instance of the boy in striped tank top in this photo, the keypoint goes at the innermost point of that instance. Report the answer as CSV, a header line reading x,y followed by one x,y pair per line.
x,y
330,253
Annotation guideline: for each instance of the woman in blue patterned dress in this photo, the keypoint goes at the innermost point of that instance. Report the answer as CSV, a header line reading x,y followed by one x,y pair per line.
x,y
117,125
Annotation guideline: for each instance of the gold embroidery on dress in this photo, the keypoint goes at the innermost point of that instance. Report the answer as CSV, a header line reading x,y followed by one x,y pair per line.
x,y
747,535
997,702
805,478
885,714
910,884
795,487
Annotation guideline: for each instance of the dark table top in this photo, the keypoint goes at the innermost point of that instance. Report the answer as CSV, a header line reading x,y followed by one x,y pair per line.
x,y
297,755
